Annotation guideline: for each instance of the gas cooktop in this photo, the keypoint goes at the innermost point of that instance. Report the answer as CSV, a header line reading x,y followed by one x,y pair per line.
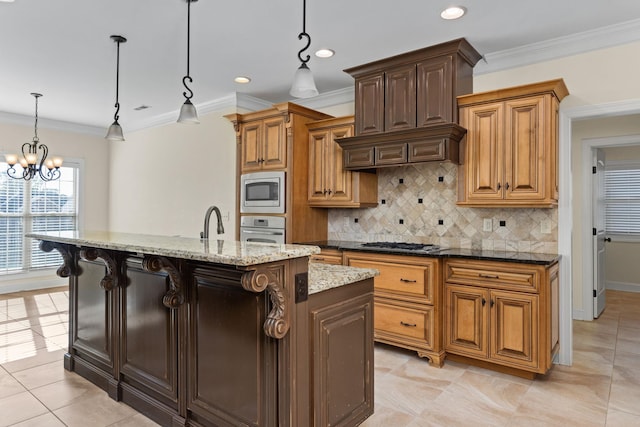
x,y
402,247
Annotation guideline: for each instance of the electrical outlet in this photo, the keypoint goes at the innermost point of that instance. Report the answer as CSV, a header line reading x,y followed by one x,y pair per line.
x,y
487,224
545,226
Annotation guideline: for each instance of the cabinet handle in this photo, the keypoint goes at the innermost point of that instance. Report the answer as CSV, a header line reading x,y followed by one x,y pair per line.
x,y
489,276
329,191
484,301
408,325
407,280
499,186
506,186
317,258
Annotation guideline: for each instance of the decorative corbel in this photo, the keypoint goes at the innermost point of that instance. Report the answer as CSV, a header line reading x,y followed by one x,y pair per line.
x,y
67,267
110,280
174,297
277,323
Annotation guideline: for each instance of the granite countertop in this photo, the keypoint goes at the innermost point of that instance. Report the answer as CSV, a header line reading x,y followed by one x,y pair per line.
x,y
229,252
477,254
323,277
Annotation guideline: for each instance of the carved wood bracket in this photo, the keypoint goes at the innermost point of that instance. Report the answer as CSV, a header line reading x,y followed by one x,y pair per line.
x,y
277,323
110,280
174,297
67,268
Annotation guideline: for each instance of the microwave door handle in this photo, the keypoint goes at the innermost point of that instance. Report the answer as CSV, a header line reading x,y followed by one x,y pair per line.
x,y
273,233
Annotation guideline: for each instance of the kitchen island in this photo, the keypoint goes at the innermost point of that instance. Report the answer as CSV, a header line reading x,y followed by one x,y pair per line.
x,y
218,333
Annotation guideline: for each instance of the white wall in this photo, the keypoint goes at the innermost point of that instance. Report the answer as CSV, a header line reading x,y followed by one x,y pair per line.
x,y
163,179
93,151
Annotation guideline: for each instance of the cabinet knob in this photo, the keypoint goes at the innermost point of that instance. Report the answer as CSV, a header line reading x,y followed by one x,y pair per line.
x,y
492,302
506,186
329,191
499,186
484,301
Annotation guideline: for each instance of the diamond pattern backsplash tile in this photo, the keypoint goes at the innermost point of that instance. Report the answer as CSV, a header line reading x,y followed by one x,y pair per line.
x,y
417,204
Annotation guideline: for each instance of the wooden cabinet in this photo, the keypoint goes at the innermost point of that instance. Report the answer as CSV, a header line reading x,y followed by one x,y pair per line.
x,y
511,154
277,139
502,314
330,185
264,145
369,104
407,301
328,256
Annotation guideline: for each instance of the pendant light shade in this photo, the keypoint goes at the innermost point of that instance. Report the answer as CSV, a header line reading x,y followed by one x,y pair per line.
x,y
114,133
188,113
303,85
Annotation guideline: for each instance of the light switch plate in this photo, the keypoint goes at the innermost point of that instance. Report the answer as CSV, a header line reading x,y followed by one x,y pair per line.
x,y
487,224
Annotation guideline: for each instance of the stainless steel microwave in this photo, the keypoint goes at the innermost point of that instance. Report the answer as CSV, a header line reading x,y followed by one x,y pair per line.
x,y
262,192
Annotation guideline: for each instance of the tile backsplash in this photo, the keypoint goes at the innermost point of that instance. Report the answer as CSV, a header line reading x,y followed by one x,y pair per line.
x,y
417,203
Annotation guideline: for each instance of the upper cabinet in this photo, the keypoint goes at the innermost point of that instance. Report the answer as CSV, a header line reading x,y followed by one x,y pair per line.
x,y
408,102
329,184
265,145
511,154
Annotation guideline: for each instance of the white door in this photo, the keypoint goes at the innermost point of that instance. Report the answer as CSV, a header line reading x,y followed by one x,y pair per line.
x,y
599,236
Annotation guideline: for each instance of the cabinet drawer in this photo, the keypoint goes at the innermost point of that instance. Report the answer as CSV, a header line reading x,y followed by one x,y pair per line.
x,y
328,256
406,321
396,280
499,275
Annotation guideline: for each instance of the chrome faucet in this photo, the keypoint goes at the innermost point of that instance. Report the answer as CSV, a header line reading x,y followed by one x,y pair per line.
x,y
205,234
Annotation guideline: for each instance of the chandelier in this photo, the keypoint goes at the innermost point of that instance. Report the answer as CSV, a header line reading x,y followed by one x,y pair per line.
x,y
303,85
32,166
188,113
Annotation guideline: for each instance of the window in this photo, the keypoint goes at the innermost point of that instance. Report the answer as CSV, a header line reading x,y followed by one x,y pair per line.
x,y
34,206
622,198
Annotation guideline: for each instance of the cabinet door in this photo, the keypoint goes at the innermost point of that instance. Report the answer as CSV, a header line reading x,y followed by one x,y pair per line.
x,y
526,151
514,331
339,179
400,98
369,104
274,148
251,146
484,161
318,159
466,321
435,91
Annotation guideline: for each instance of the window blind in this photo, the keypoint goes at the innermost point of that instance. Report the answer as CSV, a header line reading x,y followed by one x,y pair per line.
x,y
34,206
622,195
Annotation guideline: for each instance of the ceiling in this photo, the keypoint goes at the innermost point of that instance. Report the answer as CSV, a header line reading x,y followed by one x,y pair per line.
x,y
63,49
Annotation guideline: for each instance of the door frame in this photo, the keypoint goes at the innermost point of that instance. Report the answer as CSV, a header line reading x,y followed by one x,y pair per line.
x,y
565,209
588,146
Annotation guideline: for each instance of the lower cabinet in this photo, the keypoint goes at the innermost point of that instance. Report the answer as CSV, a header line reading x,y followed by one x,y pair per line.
x,y
328,256
407,301
503,314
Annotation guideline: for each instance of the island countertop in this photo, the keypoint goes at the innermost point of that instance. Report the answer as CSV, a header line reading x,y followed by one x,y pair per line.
x,y
228,252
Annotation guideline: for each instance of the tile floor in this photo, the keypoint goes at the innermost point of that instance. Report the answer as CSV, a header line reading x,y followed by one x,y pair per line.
x,y
602,388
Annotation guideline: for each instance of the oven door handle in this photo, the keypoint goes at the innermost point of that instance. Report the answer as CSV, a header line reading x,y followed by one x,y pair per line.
x,y
272,233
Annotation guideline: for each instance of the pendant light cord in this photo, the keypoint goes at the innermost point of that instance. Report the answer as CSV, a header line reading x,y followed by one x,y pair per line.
x,y
304,34
35,130
116,114
189,94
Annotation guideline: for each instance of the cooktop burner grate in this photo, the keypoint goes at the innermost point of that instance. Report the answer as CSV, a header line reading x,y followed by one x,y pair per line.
x,y
401,246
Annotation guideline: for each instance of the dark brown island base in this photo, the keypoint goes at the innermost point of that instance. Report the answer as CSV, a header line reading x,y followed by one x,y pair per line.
x,y
218,333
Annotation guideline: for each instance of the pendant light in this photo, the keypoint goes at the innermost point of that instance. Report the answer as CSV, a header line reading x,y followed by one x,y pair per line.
x,y
303,85
46,169
115,131
188,113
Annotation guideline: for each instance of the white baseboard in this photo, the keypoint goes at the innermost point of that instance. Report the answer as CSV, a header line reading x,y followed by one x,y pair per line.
x,y
579,315
30,284
623,286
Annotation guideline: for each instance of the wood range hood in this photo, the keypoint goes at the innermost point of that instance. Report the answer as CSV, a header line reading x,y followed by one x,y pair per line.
x,y
405,107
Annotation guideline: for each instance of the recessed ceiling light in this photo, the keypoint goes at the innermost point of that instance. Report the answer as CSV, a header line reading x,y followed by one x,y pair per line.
x,y
325,53
242,79
453,12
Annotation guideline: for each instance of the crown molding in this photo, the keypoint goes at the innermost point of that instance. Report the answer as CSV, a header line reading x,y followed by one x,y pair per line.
x,y
600,38
44,123
328,99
